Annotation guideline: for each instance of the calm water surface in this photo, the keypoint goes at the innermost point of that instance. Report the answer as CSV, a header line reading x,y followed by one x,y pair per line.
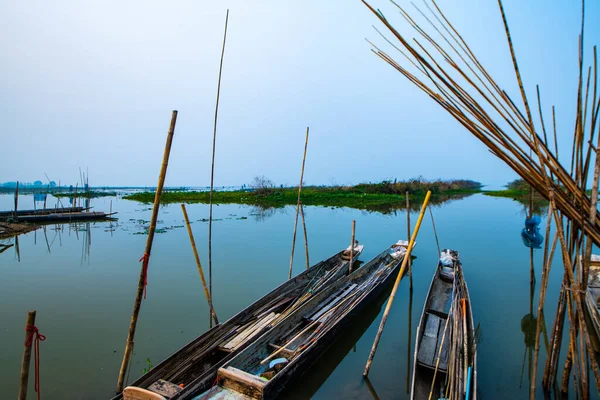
x,y
82,281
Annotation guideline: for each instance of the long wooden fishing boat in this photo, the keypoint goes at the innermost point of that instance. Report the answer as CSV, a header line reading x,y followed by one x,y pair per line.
x,y
195,365
445,359
66,217
43,211
286,352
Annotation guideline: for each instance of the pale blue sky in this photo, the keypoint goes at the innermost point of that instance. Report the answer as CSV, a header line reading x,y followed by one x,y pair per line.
x,y
92,84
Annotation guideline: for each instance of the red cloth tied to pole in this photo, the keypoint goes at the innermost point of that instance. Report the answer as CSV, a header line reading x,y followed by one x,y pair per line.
x,y
145,258
35,337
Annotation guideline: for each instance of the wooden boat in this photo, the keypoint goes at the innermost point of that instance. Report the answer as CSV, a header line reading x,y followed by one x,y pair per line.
x,y
445,359
286,352
65,217
46,211
195,365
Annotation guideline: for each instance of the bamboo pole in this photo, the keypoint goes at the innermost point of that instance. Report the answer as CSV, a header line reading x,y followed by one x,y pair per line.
x,y
146,258
396,284
408,232
16,199
352,247
305,235
298,205
26,361
408,353
212,170
199,265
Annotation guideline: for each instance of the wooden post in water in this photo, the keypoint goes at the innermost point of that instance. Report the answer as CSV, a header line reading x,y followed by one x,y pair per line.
x,y
305,235
193,242
26,358
352,246
16,199
146,258
212,171
298,205
408,232
396,284
46,196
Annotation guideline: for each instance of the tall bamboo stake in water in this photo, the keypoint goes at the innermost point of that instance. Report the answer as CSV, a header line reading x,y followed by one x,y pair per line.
x,y
352,245
198,264
298,206
146,258
16,199
305,235
396,284
212,170
408,232
26,361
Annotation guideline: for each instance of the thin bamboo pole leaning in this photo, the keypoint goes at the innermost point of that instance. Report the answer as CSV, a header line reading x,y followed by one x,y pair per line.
x,y
305,235
146,258
298,205
396,284
199,265
352,247
26,361
212,169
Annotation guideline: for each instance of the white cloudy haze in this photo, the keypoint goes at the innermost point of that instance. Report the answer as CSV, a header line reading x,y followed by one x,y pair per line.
x,y
92,84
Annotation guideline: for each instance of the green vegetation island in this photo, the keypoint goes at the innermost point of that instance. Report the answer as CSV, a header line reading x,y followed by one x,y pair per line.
x,y
384,196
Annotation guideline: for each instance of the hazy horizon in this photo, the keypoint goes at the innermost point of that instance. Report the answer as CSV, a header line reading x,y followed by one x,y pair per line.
x,y
91,85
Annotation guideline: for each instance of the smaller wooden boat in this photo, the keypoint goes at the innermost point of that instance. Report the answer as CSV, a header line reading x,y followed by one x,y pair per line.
x,y
44,211
445,360
195,365
66,217
285,352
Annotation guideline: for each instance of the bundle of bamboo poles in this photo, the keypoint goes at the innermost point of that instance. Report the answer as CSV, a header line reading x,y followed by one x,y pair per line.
x,y
351,297
440,62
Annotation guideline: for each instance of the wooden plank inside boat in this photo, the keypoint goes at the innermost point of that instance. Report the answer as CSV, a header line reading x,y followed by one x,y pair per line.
x,y
165,388
241,381
252,330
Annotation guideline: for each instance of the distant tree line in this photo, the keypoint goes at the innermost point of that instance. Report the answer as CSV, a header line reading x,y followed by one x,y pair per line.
x,y
36,184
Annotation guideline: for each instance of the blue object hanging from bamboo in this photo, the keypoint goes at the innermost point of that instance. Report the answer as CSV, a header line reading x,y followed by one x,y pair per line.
x,y
531,235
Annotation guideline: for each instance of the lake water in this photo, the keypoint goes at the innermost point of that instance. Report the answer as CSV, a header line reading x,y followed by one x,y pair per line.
x,y
82,281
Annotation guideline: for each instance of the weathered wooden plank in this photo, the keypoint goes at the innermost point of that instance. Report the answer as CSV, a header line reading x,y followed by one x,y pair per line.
x,y
241,381
427,348
165,388
250,331
336,300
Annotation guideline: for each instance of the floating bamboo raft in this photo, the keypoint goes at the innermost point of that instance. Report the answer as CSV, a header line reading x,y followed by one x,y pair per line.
x,y
195,365
445,360
286,352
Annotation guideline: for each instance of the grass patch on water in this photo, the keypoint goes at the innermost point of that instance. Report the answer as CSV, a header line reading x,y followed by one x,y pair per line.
x,y
372,196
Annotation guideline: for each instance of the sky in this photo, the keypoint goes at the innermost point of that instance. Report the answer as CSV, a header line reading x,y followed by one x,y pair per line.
x,y
92,84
